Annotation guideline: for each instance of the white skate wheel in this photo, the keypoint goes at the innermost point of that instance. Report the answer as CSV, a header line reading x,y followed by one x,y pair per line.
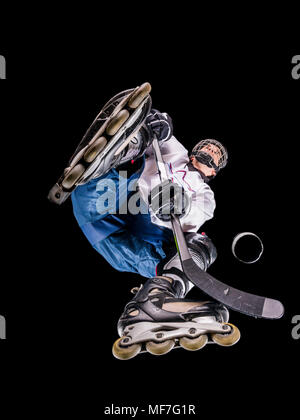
x,y
138,96
93,151
227,339
158,349
57,195
193,344
124,353
259,248
73,176
117,122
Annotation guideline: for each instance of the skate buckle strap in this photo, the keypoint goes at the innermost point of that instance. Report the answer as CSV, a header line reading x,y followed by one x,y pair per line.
x,y
154,283
135,289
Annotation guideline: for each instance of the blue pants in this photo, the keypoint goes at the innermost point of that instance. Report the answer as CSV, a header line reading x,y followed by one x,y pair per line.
x,y
128,242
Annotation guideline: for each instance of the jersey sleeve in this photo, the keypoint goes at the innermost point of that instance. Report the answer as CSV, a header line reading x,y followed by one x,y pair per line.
x,y
201,209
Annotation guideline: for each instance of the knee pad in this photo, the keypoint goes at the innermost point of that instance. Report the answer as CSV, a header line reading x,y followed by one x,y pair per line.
x,y
202,251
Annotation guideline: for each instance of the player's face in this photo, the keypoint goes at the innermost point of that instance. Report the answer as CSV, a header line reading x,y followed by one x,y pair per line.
x,y
213,151
202,167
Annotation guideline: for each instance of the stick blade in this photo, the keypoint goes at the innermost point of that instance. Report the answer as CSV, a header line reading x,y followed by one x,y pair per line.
x,y
237,300
272,309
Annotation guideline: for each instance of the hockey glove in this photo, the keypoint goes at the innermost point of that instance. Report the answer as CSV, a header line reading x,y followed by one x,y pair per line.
x,y
167,198
159,125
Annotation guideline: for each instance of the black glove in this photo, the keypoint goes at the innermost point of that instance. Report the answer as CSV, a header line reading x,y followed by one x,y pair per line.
x,y
159,125
167,198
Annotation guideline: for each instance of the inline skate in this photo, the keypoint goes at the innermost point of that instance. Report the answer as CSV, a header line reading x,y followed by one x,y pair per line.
x,y
106,141
159,318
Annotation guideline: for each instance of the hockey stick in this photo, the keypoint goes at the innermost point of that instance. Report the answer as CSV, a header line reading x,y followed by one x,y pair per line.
x,y
246,303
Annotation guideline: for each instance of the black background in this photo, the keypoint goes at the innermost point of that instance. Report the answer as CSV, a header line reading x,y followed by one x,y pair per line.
x,y
61,300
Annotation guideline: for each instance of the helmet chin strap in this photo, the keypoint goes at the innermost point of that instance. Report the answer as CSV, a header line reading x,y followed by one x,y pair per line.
x,y
207,160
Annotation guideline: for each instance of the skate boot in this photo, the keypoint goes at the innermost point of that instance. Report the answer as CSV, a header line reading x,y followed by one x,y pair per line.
x,y
106,141
159,318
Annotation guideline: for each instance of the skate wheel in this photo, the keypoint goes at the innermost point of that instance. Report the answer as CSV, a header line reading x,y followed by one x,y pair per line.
x,y
73,176
227,339
193,344
159,349
139,95
117,122
95,149
125,353
57,195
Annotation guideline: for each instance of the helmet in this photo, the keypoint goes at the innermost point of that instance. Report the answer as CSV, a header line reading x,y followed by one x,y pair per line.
x,y
211,153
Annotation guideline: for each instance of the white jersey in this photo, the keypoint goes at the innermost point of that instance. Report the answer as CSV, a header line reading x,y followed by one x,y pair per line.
x,y
200,194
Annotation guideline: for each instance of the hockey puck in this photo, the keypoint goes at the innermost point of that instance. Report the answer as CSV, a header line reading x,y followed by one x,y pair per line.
x,y
247,247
